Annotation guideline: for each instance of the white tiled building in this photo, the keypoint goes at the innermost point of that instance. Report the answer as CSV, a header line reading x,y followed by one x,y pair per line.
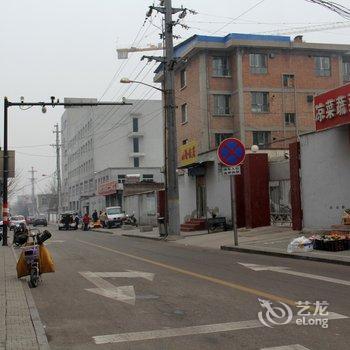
x,y
127,139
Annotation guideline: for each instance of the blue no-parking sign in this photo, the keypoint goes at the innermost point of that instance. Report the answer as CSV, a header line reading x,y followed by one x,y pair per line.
x,y
231,152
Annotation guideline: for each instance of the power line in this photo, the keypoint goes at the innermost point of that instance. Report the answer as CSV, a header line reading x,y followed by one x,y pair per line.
x,y
239,16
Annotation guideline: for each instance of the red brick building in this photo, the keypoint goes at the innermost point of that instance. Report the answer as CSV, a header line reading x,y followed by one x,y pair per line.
x,y
258,88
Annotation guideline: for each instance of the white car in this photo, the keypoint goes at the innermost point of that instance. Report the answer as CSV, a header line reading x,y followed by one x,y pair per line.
x,y
115,216
16,220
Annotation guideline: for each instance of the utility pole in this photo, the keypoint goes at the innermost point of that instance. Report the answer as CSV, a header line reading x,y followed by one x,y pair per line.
x,y
169,62
32,180
57,145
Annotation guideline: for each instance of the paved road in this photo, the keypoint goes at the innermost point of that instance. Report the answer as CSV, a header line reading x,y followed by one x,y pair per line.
x,y
185,298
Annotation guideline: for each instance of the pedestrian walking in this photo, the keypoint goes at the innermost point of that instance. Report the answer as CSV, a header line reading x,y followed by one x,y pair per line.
x,y
103,218
86,221
94,216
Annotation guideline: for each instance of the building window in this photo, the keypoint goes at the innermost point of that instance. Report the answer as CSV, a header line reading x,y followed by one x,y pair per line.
x,y
136,162
135,124
222,104
260,102
289,119
147,177
136,144
183,81
258,63
346,69
221,66
262,138
323,66
184,116
220,137
121,179
288,80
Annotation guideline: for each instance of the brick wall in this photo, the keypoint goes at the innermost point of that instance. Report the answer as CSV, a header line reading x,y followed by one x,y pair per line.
x,y
281,100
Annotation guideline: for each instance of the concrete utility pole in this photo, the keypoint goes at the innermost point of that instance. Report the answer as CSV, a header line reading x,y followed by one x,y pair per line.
x,y
169,62
57,145
32,180
172,183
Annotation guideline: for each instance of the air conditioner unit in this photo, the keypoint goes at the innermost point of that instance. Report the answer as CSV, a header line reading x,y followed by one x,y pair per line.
x,y
310,98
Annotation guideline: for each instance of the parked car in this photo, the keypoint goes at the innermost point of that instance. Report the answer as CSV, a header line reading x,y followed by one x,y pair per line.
x,y
40,221
115,216
66,221
16,220
29,220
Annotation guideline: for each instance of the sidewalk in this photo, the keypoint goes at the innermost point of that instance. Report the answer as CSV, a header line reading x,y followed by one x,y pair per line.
x,y
20,325
270,240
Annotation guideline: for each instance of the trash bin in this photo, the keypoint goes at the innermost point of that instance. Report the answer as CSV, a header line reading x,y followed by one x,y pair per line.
x,y
161,227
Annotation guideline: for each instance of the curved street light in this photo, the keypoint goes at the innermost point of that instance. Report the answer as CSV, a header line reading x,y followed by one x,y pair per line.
x,y
128,81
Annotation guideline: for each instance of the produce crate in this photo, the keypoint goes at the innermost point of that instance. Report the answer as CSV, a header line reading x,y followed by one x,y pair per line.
x,y
335,245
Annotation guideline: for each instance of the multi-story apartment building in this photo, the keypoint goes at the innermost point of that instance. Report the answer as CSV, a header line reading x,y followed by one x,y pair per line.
x,y
258,88
126,138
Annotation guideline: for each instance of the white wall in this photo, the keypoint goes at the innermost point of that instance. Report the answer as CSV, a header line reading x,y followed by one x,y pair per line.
x,y
218,191
325,174
187,196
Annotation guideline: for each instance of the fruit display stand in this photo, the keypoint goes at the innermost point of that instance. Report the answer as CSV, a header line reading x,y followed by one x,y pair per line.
x,y
333,241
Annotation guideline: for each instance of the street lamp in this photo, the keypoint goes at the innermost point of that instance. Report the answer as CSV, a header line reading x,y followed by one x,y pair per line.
x,y
128,81
172,217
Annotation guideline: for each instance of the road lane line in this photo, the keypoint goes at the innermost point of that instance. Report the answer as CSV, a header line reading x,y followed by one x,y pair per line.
x,y
192,330
221,282
281,269
288,347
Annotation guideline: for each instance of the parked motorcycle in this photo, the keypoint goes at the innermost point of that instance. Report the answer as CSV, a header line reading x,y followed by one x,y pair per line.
x,y
130,220
35,258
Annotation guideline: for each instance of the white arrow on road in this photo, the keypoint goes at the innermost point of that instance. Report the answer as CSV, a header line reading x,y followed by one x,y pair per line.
x,y
286,270
125,294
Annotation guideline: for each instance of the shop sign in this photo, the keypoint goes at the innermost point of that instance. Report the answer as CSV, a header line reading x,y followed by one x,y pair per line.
x,y
332,108
188,153
107,188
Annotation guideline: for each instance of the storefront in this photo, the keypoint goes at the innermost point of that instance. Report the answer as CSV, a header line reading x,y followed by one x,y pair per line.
x,y
112,191
202,187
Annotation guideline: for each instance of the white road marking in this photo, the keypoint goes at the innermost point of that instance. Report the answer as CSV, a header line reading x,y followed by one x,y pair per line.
x,y
177,332
286,270
129,274
125,294
288,347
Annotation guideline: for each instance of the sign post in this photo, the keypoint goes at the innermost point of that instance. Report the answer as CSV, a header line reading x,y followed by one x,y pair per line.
x,y
231,153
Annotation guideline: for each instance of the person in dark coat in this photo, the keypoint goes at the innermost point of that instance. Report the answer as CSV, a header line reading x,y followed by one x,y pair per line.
x,y
94,216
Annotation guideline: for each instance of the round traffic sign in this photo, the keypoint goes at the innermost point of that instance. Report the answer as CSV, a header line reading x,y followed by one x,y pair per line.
x,y
231,152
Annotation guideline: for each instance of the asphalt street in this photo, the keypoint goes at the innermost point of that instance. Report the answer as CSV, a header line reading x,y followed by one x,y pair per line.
x,y
112,292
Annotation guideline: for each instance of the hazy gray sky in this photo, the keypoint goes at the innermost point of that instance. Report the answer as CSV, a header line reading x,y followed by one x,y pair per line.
x,y
67,48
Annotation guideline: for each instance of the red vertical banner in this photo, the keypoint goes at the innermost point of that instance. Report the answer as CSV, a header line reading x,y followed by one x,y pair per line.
x,y
5,214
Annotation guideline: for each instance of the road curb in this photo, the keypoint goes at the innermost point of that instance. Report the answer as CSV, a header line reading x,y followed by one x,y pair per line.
x,y
285,255
140,236
102,231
